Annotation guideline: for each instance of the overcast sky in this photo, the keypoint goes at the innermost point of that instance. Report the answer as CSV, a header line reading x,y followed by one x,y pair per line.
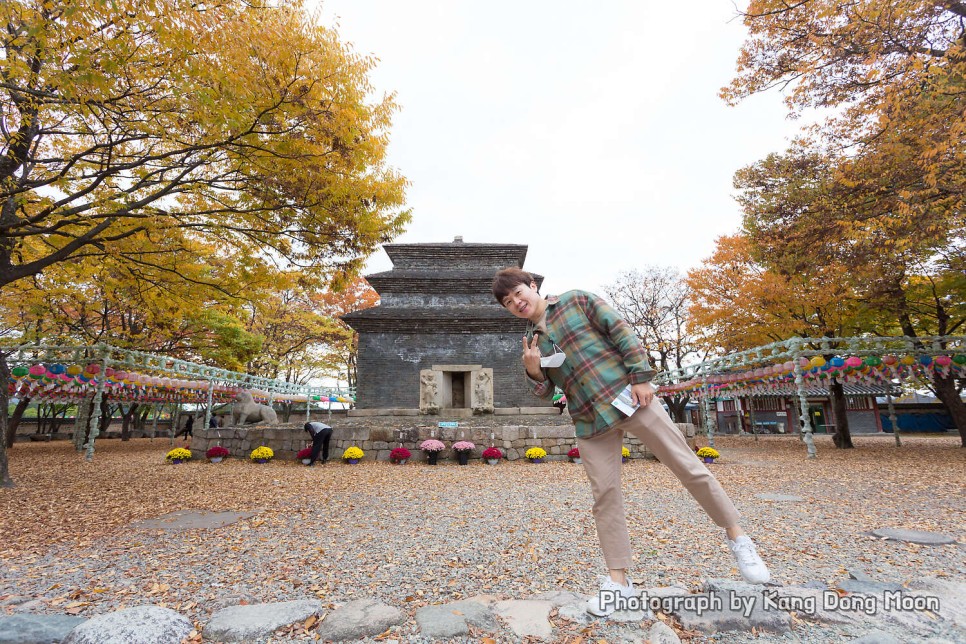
x,y
592,132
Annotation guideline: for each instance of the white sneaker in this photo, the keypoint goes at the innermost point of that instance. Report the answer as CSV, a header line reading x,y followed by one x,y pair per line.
x,y
606,601
752,568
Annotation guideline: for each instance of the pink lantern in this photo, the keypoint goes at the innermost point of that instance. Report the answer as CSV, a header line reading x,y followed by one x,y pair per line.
x,y
943,361
853,361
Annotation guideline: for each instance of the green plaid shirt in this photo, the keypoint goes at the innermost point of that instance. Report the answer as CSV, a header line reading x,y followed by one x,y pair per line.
x,y
603,357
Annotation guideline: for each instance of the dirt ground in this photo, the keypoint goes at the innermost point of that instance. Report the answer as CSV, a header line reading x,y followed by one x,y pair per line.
x,y
411,535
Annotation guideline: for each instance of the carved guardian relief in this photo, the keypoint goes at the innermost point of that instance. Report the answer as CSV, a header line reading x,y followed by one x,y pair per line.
x,y
430,396
482,392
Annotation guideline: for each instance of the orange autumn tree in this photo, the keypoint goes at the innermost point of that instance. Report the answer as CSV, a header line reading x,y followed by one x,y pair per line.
x,y
356,296
739,302
891,155
907,270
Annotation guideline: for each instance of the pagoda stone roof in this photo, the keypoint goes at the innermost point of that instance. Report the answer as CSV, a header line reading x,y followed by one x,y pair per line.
x,y
424,319
455,268
491,256
436,280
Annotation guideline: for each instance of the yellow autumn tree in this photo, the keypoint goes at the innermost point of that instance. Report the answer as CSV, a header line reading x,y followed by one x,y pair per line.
x,y
164,294
241,126
240,122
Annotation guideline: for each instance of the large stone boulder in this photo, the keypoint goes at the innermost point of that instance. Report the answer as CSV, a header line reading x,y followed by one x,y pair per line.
x,y
250,622
138,625
358,619
37,629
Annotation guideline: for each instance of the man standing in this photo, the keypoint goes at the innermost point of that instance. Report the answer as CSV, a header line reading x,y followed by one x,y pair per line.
x,y
579,343
321,434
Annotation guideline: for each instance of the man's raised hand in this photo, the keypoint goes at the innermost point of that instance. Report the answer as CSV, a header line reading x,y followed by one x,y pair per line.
x,y
531,358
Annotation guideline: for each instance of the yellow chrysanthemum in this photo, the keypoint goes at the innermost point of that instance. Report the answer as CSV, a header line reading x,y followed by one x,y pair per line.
x,y
535,452
262,453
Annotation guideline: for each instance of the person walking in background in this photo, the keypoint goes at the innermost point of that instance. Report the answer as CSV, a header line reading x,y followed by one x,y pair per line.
x,y
321,434
579,343
188,428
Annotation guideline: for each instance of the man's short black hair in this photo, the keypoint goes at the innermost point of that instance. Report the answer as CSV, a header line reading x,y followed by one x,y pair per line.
x,y
508,279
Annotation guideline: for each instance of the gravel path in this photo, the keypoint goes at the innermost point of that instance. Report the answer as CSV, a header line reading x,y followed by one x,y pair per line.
x,y
414,535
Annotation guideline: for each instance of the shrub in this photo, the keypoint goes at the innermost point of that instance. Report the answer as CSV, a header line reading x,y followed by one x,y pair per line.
x,y
304,453
399,454
708,452
352,453
262,452
217,452
432,445
574,453
491,453
463,446
535,452
179,454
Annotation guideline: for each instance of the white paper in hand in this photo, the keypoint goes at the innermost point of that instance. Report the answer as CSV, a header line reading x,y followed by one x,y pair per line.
x,y
624,402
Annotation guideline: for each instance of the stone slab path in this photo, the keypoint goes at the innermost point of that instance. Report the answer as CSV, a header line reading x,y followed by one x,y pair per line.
x,y
857,609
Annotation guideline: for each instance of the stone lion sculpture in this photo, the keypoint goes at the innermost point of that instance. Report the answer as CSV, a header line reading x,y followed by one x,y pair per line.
x,y
246,410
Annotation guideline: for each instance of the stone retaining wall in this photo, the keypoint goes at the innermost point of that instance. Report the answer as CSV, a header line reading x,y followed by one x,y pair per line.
x,y
377,436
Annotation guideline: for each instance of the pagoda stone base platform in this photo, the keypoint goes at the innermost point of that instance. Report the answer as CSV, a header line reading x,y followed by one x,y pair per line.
x,y
455,413
377,435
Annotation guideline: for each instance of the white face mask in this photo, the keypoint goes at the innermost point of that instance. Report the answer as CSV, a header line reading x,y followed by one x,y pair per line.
x,y
554,361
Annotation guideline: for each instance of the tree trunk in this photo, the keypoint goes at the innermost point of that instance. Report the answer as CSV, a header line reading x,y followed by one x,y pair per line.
x,y
842,436
5,480
14,421
141,419
57,418
126,418
42,417
678,408
106,414
948,393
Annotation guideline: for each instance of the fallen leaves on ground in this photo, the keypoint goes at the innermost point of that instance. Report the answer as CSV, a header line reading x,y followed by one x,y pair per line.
x,y
416,535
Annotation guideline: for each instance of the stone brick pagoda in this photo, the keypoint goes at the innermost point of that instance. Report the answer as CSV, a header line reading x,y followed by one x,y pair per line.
x,y
438,343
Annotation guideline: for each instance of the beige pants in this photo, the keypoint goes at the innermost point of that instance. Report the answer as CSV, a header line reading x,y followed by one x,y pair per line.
x,y
601,456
